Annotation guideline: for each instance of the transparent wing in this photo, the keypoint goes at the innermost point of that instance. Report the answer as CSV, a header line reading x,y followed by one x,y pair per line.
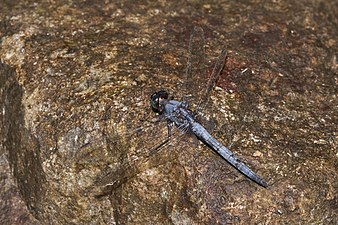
x,y
198,85
195,74
219,65
141,159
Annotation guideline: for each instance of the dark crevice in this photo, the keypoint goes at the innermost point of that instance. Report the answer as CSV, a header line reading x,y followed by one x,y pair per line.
x,y
18,144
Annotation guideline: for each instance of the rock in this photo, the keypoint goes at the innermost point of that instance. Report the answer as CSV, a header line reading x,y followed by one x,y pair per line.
x,y
76,121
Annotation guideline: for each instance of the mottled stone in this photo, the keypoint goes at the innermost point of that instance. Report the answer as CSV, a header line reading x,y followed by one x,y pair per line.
x,y
76,122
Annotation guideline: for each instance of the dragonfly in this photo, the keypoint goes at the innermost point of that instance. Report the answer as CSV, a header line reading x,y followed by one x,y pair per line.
x,y
178,113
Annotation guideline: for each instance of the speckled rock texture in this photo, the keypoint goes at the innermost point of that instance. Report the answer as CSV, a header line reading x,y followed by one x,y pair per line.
x,y
77,129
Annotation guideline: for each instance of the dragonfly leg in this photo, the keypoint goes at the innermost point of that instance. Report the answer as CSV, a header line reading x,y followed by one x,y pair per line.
x,y
169,126
184,127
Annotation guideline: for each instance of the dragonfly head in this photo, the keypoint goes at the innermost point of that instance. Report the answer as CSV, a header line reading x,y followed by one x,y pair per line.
x,y
157,101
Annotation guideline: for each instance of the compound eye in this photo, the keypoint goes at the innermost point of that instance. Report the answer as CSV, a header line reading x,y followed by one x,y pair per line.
x,y
163,94
153,96
155,100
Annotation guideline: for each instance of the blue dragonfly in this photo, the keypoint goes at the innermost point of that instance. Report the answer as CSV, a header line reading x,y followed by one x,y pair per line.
x,y
178,114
